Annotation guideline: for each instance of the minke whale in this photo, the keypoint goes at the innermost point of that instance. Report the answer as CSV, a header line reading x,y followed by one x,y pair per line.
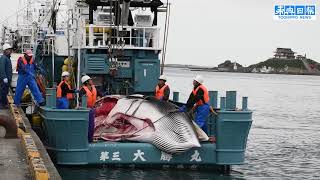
x,y
146,119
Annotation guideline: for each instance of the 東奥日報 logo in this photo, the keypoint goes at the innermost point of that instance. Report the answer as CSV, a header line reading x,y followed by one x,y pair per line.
x,y
295,12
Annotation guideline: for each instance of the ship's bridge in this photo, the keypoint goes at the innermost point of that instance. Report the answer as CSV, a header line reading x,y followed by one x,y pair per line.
x,y
127,24
126,37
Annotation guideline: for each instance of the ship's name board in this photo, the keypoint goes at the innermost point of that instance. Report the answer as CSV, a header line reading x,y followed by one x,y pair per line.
x,y
139,155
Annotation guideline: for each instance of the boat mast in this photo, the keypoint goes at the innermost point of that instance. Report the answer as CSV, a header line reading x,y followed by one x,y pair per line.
x,y
52,20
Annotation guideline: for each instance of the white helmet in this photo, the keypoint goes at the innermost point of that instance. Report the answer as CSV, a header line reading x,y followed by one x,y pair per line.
x,y
163,77
85,78
65,73
6,46
199,79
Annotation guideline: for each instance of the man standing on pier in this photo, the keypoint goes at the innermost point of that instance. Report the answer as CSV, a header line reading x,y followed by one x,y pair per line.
x,y
27,76
162,91
5,75
198,101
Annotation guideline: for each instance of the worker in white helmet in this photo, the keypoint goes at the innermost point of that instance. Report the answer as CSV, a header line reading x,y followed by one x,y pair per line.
x,y
89,90
5,75
162,90
198,101
92,94
64,92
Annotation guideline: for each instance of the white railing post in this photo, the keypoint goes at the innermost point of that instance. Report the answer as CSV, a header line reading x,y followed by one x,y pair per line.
x,y
144,38
130,37
158,39
91,35
84,36
104,36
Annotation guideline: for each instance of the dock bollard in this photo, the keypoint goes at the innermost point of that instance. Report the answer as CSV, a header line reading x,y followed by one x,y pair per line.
x,y
213,98
222,103
244,103
175,96
84,101
231,100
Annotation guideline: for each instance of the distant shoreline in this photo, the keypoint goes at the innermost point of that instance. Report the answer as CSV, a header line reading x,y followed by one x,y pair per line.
x,y
195,69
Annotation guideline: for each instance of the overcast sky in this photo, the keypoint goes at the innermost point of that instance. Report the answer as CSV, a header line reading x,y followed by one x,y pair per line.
x,y
207,32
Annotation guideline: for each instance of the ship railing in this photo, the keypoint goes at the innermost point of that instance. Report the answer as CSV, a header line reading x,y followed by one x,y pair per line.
x,y
126,37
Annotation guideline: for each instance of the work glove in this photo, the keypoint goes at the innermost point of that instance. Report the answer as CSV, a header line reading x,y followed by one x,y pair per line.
x,y
5,80
183,108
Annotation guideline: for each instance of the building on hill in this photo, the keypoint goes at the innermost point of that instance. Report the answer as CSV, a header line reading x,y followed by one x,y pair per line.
x,y
284,53
301,57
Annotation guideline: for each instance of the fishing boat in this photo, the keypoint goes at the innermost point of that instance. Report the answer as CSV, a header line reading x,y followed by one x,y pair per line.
x,y
118,44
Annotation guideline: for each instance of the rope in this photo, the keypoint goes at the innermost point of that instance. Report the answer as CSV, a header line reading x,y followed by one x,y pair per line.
x,y
166,43
54,6
165,38
59,4
170,112
123,138
18,11
144,98
118,20
134,112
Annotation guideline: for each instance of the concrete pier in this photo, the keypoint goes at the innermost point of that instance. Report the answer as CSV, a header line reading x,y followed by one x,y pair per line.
x,y
16,161
13,164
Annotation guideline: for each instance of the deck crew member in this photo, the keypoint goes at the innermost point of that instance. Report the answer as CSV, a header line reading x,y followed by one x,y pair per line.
x,y
198,100
26,76
162,91
5,75
64,92
89,90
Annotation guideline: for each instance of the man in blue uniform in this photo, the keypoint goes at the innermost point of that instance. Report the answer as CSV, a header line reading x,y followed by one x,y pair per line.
x,y
5,75
26,76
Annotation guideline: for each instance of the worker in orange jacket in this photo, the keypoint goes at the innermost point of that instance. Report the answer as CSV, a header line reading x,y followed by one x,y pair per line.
x,y
64,92
162,90
199,101
89,90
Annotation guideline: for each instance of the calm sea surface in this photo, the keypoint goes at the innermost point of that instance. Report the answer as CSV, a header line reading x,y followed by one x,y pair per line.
x,y
284,141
